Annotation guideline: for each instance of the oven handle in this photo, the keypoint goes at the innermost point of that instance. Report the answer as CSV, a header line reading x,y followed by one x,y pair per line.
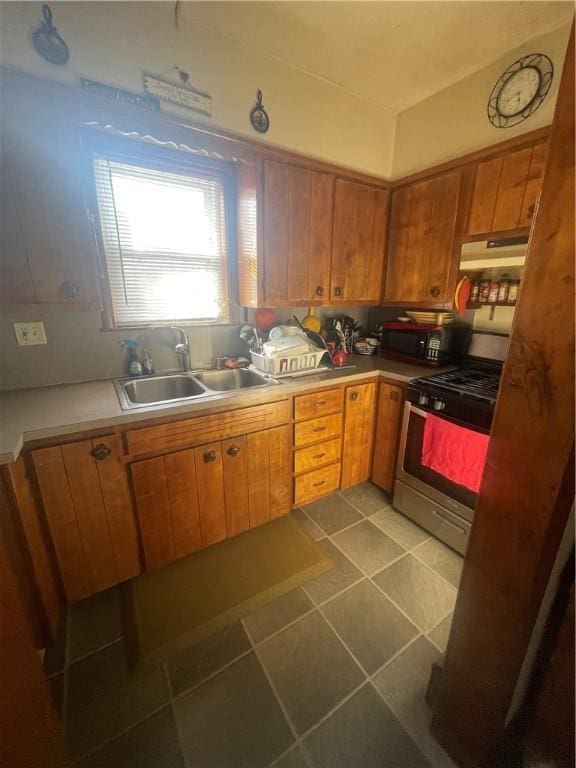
x,y
459,423
446,520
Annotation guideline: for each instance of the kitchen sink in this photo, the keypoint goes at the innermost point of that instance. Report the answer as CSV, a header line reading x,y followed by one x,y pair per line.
x,y
158,389
224,381
175,387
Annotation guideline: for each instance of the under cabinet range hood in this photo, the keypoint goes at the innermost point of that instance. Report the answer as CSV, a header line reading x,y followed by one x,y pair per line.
x,y
493,254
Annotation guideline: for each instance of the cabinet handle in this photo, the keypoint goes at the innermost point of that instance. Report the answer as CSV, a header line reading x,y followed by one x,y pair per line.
x,y
319,456
337,291
69,290
209,456
321,402
531,210
319,429
233,450
101,452
317,485
319,290
354,396
435,291
394,396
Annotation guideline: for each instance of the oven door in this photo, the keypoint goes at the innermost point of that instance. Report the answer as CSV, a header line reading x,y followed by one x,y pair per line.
x,y
410,470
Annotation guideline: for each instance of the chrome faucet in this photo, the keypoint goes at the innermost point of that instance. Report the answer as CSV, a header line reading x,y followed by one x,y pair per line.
x,y
182,348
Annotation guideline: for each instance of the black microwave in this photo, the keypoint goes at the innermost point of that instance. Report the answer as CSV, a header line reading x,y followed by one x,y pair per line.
x,y
428,344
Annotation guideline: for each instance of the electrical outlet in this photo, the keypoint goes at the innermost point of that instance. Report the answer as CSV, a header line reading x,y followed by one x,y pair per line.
x,y
30,334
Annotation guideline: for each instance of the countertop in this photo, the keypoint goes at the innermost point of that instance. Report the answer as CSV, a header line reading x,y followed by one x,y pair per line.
x,y
64,409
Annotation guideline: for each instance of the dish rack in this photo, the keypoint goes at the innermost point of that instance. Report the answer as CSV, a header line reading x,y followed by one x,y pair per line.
x,y
287,364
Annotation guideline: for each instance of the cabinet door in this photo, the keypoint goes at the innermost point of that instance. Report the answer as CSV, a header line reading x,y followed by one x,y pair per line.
x,y
235,463
297,233
358,243
166,496
505,191
422,231
43,156
211,499
386,435
87,502
358,434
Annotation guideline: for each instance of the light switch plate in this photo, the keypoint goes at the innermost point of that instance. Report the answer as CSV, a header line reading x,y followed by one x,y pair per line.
x,y
30,334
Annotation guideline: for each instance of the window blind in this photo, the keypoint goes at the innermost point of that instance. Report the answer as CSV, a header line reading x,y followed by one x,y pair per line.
x,y
164,237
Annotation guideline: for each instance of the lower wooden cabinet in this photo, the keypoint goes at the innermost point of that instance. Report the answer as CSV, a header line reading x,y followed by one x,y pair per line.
x,y
194,498
358,433
386,434
87,503
313,485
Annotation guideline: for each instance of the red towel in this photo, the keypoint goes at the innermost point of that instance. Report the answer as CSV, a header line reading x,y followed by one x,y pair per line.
x,y
455,452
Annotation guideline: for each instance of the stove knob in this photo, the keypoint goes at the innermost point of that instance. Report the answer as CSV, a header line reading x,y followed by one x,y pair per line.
x,y
423,398
439,405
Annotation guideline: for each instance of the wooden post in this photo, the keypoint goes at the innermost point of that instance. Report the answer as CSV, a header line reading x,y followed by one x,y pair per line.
x,y
527,489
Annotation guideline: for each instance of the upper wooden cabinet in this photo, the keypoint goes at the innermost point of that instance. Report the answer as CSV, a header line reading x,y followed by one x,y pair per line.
x,y
421,241
358,243
47,247
297,221
506,189
306,237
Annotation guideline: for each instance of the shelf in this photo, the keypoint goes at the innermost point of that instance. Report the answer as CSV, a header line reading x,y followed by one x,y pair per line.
x,y
479,304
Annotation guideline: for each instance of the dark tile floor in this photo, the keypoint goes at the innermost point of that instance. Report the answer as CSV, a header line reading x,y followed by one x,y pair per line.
x,y
332,674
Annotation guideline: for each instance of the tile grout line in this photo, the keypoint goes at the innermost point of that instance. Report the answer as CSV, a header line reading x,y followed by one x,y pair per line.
x,y
96,650
414,553
173,710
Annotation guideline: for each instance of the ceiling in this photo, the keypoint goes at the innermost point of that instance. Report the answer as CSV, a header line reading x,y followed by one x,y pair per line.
x,y
391,53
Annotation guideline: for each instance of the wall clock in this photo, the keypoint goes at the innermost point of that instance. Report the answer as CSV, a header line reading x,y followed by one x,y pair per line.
x,y
520,90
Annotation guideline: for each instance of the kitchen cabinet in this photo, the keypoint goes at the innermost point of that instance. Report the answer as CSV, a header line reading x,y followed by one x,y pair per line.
x,y
297,221
307,237
358,243
47,249
87,502
422,231
194,498
358,433
386,435
506,189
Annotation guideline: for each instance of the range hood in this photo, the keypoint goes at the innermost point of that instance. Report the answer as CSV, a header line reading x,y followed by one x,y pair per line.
x,y
493,254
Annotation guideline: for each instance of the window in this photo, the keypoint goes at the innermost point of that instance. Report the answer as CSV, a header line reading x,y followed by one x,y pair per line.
x,y
164,237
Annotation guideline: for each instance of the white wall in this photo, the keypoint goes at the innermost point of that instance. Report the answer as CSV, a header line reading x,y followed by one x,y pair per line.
x,y
454,122
114,42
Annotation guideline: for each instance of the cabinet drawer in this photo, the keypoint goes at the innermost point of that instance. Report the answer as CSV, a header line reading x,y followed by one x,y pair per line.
x,y
317,455
208,428
315,430
315,484
318,404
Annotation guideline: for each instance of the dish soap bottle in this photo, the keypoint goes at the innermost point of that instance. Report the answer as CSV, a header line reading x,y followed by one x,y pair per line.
x,y
133,365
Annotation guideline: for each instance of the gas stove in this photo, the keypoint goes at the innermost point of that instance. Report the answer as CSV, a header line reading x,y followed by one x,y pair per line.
x,y
477,383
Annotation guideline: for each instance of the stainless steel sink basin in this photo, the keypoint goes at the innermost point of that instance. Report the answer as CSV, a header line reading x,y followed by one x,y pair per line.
x,y
224,381
159,389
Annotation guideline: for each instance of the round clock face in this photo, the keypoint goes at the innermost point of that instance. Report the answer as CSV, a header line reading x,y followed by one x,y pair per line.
x,y
520,90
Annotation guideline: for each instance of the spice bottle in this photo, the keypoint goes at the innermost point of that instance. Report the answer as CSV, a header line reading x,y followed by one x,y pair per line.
x,y
504,288
513,291
484,290
494,291
475,292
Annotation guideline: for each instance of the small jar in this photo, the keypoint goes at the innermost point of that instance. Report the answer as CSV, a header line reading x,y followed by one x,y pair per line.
x,y
494,291
475,292
513,291
504,289
484,290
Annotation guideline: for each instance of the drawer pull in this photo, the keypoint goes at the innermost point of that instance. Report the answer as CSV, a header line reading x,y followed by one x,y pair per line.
x,y
319,290
394,396
319,429
101,452
319,456
354,396
321,402
531,210
317,485
209,456
233,450
337,291
435,291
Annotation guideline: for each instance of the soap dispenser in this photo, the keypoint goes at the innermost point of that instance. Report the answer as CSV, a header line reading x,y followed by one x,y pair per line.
x,y
133,365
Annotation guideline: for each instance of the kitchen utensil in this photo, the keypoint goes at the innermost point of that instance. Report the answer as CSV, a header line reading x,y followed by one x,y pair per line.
x,y
264,318
311,322
432,318
462,295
